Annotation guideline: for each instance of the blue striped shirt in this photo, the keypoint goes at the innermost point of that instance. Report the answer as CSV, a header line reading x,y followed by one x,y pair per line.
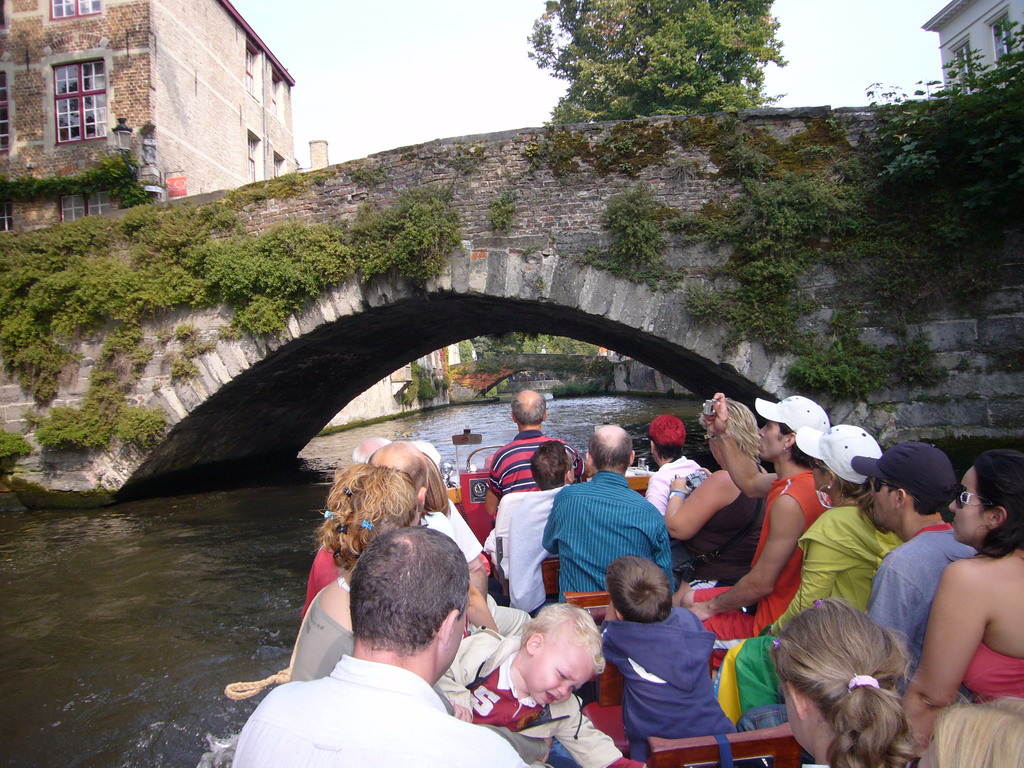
x,y
593,523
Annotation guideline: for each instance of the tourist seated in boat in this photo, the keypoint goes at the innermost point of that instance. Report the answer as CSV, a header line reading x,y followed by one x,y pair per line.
x,y
526,685
323,570
988,735
975,634
364,502
714,527
510,465
842,549
440,513
911,483
430,490
377,707
593,523
792,506
519,527
667,434
663,654
839,673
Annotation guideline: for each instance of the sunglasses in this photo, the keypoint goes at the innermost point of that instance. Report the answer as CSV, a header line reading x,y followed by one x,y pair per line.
x,y
877,483
963,498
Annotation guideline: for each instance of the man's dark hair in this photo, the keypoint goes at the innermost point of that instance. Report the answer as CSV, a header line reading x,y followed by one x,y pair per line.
x,y
529,409
798,457
549,465
639,589
404,586
611,452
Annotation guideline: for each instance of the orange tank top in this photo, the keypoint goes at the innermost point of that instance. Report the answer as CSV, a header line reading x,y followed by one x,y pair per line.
x,y
801,487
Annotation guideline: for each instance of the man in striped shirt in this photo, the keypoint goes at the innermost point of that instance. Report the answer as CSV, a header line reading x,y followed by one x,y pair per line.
x,y
593,523
510,470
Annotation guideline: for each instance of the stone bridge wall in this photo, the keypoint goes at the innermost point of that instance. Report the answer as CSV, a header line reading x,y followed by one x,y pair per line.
x,y
266,396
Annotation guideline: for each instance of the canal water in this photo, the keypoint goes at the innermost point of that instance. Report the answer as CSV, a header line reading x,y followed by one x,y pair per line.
x,y
121,626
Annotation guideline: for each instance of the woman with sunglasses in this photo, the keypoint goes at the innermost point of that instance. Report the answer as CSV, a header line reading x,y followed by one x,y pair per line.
x,y
975,634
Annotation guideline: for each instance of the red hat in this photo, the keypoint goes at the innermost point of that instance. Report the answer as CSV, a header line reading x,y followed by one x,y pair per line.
x,y
667,430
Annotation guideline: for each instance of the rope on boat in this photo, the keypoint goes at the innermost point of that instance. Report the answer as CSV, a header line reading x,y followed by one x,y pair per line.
x,y
240,691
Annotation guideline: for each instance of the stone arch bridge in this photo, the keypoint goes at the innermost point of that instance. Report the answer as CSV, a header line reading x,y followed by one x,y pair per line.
x,y
262,397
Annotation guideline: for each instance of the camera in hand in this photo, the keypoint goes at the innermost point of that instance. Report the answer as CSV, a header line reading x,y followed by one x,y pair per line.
x,y
709,408
694,479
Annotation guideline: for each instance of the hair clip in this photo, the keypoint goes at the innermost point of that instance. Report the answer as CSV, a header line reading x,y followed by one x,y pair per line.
x,y
367,525
862,681
776,643
817,603
328,514
347,491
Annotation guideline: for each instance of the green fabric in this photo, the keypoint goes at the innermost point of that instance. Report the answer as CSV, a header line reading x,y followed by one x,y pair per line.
x,y
755,674
841,553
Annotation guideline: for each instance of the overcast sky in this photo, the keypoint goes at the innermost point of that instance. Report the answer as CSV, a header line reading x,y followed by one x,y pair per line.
x,y
372,76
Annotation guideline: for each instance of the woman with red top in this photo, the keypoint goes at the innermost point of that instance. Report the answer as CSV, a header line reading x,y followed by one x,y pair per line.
x,y
975,632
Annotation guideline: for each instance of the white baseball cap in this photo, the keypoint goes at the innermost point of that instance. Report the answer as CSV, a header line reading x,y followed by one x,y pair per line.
x,y
794,412
837,447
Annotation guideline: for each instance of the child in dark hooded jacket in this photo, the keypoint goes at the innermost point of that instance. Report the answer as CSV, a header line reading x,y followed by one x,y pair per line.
x,y
663,653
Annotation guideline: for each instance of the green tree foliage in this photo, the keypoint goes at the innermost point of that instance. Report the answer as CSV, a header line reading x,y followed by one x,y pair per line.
x,y
633,58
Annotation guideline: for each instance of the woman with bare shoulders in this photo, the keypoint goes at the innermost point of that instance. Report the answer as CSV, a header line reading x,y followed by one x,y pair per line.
x,y
718,524
975,634
364,502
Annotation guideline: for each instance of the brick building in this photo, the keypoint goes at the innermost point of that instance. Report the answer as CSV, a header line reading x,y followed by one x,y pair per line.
x,y
208,102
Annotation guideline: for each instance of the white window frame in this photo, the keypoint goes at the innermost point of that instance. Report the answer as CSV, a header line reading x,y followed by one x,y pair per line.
x,y
7,216
1000,36
75,207
69,9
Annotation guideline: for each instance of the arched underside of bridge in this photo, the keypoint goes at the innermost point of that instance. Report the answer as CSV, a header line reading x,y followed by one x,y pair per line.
x,y
271,410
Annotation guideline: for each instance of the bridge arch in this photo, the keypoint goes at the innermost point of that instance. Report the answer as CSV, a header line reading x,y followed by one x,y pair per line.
x,y
258,398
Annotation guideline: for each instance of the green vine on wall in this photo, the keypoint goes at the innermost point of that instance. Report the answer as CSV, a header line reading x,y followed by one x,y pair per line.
x,y
59,283
112,175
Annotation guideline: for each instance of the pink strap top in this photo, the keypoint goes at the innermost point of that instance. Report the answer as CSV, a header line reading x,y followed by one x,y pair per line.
x,y
991,674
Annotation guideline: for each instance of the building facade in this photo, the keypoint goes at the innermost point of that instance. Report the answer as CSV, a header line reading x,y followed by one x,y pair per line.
x,y
208,103
975,25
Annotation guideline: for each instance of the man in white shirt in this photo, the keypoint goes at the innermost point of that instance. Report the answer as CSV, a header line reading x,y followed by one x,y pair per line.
x,y
408,600
515,542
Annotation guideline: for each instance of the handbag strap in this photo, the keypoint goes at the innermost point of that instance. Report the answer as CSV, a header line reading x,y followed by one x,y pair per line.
x,y
724,751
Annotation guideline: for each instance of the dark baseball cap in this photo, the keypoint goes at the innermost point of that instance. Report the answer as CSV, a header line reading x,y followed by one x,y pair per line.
x,y
922,470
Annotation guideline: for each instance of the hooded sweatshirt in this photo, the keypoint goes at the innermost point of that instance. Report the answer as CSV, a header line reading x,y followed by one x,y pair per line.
x,y
668,690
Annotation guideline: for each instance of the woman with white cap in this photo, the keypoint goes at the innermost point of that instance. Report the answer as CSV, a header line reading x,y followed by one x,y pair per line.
x,y
841,549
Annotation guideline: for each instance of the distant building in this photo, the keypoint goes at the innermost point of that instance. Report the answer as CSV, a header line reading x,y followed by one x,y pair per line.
x,y
974,25
208,102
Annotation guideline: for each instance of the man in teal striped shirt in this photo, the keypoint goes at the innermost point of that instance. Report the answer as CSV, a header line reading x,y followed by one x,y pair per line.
x,y
593,523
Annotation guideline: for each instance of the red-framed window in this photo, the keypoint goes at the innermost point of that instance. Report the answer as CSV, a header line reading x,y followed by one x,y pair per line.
x,y
67,9
5,114
250,69
7,217
80,101
74,207
254,145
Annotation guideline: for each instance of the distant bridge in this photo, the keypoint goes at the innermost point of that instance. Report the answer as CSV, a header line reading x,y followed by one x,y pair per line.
x,y
481,375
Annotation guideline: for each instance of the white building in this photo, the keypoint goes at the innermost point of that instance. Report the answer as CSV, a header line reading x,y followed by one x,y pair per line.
x,y
975,25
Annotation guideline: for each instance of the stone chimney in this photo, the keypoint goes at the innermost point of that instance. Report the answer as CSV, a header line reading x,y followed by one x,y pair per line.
x,y
317,154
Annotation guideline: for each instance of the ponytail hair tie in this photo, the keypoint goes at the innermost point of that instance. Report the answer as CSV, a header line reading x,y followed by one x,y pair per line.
x,y
862,681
